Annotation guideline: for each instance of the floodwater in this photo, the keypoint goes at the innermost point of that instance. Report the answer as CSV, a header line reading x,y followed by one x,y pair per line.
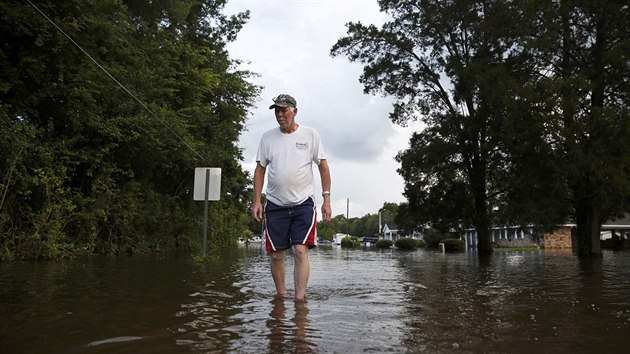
x,y
358,301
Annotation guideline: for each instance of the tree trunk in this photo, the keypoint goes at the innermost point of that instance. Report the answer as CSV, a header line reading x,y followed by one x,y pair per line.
x,y
482,222
588,229
484,246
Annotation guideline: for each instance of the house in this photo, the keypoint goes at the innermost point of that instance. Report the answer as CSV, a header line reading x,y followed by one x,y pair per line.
x,y
507,236
337,238
614,233
390,234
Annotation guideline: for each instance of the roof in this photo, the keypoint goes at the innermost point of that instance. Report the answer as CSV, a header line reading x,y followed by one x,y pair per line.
x,y
621,223
624,220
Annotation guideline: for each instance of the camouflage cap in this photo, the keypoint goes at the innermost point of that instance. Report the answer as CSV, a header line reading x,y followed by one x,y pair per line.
x,y
283,100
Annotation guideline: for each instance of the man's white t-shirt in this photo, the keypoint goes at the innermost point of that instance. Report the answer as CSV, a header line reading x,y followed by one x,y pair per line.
x,y
288,159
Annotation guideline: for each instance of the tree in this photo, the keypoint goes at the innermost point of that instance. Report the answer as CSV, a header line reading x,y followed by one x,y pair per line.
x,y
406,221
526,107
581,51
371,225
388,213
447,63
95,169
337,224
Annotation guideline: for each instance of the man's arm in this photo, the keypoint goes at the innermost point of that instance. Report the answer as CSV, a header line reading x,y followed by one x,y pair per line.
x,y
324,173
259,179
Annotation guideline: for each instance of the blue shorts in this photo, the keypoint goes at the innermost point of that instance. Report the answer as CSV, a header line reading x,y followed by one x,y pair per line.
x,y
290,225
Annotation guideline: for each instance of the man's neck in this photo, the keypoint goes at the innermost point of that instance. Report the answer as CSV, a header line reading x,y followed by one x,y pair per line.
x,y
291,129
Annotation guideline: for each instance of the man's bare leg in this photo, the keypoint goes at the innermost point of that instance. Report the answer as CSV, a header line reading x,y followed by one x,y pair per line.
x,y
277,272
301,271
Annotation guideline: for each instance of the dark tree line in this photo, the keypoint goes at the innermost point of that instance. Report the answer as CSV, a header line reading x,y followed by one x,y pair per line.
x,y
86,167
525,104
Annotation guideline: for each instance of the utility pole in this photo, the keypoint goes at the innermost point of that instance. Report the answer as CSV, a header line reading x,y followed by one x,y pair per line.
x,y
347,216
380,227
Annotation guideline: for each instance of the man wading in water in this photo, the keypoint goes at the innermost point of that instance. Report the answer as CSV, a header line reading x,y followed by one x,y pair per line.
x,y
288,152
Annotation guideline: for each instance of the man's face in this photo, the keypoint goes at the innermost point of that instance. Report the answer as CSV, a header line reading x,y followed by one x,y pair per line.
x,y
285,117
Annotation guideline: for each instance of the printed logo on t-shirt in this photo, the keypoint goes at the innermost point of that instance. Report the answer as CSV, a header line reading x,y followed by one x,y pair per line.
x,y
301,146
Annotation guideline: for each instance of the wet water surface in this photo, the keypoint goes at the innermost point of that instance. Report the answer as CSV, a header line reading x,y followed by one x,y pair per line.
x,y
358,301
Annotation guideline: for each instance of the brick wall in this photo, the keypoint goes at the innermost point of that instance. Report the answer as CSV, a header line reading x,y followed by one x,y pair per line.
x,y
561,238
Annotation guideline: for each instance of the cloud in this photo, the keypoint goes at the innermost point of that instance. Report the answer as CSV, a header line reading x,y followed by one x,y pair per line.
x,y
288,44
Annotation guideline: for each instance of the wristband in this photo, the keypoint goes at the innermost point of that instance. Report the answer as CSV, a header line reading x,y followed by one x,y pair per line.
x,y
325,193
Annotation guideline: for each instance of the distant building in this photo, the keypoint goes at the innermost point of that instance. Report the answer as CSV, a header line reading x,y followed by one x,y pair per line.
x,y
337,238
506,236
614,233
390,234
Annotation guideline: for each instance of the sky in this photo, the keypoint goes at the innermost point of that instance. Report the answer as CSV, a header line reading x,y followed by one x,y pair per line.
x,y
288,42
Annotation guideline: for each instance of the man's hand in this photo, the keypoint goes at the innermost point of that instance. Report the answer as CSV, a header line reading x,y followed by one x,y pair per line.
x,y
257,212
324,172
326,211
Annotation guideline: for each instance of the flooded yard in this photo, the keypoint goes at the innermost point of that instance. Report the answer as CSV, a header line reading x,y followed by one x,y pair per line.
x,y
362,300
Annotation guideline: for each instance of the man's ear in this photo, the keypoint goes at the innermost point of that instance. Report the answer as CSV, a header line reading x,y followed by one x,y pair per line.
x,y
295,110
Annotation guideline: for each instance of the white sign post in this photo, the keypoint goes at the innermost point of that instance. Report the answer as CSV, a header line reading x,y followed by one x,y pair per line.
x,y
207,187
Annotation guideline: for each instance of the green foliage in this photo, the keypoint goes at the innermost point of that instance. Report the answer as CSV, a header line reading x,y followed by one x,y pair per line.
x,y
454,245
525,108
366,225
328,231
89,169
585,96
406,244
350,242
384,243
446,64
432,238
405,219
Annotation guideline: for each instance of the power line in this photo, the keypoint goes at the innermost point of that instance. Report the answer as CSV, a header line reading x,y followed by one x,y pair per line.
x,y
118,82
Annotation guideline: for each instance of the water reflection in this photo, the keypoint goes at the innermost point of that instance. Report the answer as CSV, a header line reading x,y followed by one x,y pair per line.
x,y
292,335
515,302
210,313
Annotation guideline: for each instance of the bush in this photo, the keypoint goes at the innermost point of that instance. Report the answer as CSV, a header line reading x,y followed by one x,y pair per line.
x,y
454,245
383,244
350,242
406,244
433,238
